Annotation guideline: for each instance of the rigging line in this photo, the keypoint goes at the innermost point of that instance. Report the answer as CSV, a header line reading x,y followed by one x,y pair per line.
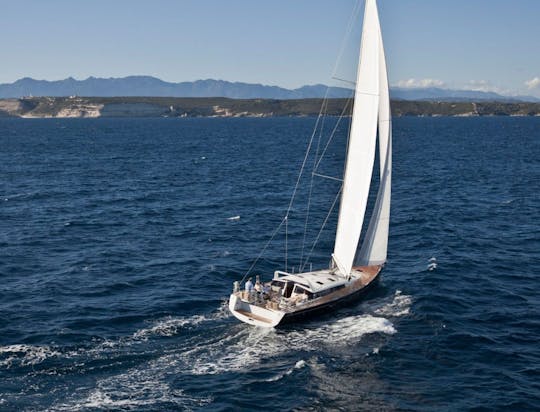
x,y
352,19
350,25
341,116
262,251
285,219
344,80
308,150
322,228
286,239
327,177
307,153
308,207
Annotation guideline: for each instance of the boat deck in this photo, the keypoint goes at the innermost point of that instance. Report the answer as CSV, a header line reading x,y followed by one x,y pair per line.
x,y
274,301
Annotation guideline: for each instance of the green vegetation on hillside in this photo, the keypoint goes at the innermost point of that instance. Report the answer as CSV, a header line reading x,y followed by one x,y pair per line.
x,y
225,107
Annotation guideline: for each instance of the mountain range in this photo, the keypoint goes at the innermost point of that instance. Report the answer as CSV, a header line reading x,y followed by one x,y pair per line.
x,y
152,86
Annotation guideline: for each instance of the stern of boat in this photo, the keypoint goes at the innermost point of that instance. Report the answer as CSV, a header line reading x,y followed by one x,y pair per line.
x,y
253,314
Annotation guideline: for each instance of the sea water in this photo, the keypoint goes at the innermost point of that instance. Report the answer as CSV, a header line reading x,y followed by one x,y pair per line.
x,y
120,240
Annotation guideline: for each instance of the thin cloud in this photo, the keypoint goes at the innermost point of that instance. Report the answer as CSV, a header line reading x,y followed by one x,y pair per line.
x,y
533,83
487,87
481,86
420,83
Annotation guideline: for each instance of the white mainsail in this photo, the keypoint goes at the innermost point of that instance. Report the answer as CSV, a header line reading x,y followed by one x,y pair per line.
x,y
375,244
371,109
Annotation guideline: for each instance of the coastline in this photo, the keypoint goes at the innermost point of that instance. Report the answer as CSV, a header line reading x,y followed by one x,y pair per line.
x,y
153,107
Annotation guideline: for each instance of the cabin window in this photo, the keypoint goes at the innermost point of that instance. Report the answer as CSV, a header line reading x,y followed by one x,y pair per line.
x,y
277,285
299,290
327,291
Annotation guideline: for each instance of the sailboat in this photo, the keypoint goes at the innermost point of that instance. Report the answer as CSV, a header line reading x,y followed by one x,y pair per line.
x,y
355,263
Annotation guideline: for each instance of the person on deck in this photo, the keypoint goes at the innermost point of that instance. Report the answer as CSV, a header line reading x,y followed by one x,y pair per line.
x,y
249,286
258,285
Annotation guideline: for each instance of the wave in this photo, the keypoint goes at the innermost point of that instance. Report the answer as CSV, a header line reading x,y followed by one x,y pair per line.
x,y
239,350
137,388
171,326
147,385
298,365
168,327
19,195
25,355
400,306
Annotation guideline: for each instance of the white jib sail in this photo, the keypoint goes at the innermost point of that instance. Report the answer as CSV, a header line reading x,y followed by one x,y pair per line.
x,y
362,142
375,244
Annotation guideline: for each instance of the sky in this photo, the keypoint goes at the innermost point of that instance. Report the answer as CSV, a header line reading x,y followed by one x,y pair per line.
x,y
488,45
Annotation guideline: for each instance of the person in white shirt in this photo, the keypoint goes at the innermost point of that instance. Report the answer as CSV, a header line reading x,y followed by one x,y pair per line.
x,y
249,286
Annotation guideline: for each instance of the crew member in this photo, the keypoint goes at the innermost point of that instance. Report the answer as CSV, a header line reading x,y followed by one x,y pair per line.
x,y
249,286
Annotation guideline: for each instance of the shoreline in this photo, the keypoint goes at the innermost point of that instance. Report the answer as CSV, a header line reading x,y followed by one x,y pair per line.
x,y
177,107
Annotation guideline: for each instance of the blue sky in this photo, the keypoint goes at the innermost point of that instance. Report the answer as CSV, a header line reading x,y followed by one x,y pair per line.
x,y
471,44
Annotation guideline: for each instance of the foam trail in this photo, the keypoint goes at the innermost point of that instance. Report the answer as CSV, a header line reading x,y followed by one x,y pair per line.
x,y
168,327
141,387
232,353
147,386
171,326
250,346
351,328
25,355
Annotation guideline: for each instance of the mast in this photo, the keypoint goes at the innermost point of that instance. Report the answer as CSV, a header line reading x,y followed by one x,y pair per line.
x,y
368,108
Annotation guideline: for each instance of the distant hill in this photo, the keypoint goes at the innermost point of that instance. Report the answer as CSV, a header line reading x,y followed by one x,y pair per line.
x,y
150,86
448,95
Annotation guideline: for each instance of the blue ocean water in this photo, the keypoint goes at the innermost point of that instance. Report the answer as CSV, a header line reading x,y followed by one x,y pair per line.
x,y
120,240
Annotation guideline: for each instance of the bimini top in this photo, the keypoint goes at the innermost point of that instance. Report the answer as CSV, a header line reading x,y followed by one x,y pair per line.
x,y
312,281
